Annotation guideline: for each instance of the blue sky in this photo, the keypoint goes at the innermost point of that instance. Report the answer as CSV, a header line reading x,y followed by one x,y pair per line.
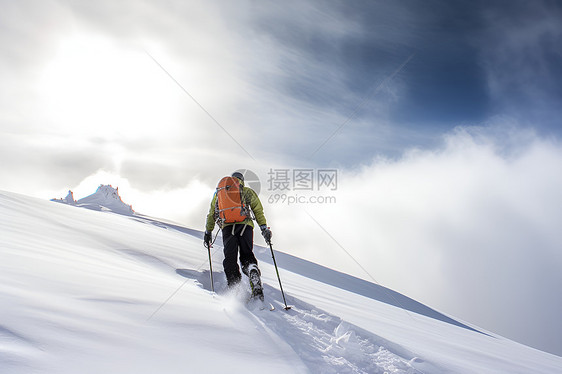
x,y
447,111
472,61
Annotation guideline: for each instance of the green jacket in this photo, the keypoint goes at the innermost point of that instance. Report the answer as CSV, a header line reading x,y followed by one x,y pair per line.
x,y
251,199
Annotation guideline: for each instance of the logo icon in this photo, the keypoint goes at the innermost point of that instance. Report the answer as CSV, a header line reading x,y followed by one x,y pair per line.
x,y
251,179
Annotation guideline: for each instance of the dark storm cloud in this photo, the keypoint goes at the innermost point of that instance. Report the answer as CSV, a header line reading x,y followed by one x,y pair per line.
x,y
523,61
472,60
378,37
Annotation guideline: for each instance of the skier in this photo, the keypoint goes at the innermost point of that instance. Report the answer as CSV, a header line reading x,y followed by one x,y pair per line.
x,y
237,229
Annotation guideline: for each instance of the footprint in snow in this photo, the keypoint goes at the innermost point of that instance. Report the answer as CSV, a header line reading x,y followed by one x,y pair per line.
x,y
327,344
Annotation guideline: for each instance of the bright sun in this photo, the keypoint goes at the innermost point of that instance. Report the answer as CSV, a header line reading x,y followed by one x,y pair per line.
x,y
95,88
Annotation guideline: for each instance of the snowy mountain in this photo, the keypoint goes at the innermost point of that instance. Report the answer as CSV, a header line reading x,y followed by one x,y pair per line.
x,y
87,291
105,198
69,199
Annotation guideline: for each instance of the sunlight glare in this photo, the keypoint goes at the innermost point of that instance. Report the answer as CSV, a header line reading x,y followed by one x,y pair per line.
x,y
95,88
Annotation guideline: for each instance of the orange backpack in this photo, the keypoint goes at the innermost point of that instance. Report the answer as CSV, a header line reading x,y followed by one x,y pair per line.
x,y
230,206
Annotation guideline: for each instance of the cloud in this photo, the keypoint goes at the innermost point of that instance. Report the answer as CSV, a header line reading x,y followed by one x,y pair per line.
x,y
190,202
81,94
522,61
471,228
279,80
38,165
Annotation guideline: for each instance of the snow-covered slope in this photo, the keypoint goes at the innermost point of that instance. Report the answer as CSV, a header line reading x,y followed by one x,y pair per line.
x,y
85,291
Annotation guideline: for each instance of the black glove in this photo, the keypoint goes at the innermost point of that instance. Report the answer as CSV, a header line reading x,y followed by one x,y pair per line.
x,y
266,232
207,239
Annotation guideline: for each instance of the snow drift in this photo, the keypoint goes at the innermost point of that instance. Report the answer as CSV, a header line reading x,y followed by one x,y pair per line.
x,y
85,291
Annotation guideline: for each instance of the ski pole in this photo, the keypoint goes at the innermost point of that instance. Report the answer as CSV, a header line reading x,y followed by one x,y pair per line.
x,y
211,269
278,277
209,245
210,265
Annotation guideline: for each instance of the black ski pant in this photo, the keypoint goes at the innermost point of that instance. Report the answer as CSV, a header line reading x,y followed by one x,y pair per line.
x,y
237,239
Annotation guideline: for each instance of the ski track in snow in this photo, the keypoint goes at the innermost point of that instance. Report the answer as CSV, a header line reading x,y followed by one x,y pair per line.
x,y
325,343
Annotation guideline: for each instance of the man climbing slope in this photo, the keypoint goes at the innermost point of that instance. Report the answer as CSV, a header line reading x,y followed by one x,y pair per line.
x,y
233,208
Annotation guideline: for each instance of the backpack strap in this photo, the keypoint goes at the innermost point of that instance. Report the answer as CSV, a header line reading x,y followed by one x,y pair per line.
x,y
243,229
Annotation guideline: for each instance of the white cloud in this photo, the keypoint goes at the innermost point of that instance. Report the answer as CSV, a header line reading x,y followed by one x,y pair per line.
x,y
472,228
91,99
91,82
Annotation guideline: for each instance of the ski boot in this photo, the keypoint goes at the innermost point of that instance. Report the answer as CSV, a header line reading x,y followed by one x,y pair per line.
x,y
255,282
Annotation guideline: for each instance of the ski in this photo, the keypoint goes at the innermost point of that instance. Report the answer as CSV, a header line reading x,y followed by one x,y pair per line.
x,y
268,306
259,303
